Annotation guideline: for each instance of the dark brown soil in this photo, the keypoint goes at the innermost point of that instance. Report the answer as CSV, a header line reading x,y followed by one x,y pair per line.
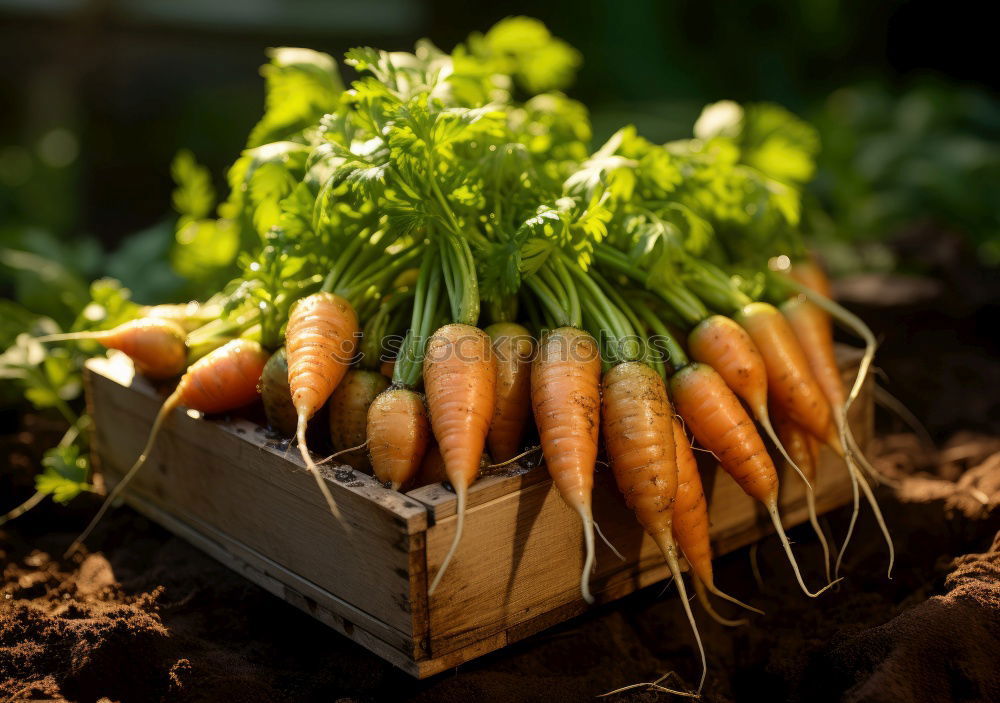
x,y
144,617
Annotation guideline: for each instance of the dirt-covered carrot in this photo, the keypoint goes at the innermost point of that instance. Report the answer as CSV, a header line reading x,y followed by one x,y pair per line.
x,y
639,439
721,425
691,527
320,343
348,415
156,346
460,376
398,433
566,401
513,347
277,396
226,379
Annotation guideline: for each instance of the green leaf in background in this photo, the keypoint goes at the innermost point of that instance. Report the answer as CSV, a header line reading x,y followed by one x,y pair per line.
x,y
65,473
206,250
302,86
537,60
110,305
194,196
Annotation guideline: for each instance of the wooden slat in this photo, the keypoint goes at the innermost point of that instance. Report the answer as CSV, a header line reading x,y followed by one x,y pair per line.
x,y
223,475
521,554
359,626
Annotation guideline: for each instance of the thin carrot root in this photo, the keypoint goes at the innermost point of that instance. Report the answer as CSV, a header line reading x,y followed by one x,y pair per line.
x,y
702,593
814,521
870,497
894,405
653,686
870,470
300,434
168,406
589,554
608,542
765,421
772,509
514,459
333,456
36,498
460,492
856,499
665,542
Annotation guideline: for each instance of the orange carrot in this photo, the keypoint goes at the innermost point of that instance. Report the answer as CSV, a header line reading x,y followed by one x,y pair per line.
x,y
691,527
804,450
791,384
156,346
813,329
725,346
398,434
513,347
793,388
639,440
320,342
387,367
223,380
431,468
809,273
348,418
277,396
460,377
566,399
721,425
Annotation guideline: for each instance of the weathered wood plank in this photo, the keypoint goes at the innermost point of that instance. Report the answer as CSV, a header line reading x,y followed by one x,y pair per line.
x,y
220,474
533,548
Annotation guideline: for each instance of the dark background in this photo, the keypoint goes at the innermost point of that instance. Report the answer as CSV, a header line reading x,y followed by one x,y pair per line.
x,y
126,83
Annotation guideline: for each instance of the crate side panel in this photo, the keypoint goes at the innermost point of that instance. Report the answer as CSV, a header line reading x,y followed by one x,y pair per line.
x,y
200,469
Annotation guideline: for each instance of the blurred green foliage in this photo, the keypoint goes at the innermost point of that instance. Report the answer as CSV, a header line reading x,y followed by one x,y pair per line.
x,y
928,156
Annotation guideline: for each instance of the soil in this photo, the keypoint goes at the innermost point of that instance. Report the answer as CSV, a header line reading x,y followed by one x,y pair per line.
x,y
145,617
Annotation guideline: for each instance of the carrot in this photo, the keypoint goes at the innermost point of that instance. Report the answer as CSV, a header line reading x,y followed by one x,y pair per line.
x,y
804,449
348,407
809,273
277,396
431,468
460,376
790,382
320,341
640,445
156,346
398,433
387,368
223,380
793,388
725,346
513,347
691,527
721,425
566,400
812,327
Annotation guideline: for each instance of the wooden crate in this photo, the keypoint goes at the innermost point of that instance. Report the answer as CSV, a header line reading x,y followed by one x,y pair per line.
x,y
225,487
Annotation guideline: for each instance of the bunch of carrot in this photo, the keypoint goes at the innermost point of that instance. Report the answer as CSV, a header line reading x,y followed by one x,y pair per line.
x,y
454,274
